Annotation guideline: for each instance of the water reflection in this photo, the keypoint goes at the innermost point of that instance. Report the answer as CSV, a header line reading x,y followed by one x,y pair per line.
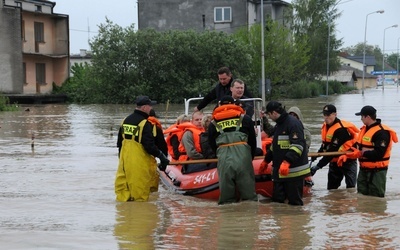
x,y
61,195
189,223
238,226
283,227
135,225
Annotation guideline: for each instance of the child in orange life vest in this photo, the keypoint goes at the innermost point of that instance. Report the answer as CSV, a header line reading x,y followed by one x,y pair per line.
x,y
174,136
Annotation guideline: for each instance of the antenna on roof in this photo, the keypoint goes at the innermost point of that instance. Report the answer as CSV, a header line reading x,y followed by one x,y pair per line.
x,y
88,31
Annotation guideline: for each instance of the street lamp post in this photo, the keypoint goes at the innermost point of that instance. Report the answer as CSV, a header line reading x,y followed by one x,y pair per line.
x,y
383,55
365,43
397,62
262,56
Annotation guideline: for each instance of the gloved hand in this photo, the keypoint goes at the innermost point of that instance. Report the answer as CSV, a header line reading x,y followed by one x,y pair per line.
x,y
342,159
163,161
355,154
263,167
314,169
284,168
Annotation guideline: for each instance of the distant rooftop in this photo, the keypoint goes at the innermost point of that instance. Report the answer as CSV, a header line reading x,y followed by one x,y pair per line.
x,y
82,54
369,60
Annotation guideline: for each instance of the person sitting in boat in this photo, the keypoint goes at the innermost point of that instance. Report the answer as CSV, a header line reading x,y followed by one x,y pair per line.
x,y
189,147
157,130
174,136
237,90
232,132
206,150
221,89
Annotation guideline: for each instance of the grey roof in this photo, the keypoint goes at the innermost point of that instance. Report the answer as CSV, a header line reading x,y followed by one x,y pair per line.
x,y
357,72
369,60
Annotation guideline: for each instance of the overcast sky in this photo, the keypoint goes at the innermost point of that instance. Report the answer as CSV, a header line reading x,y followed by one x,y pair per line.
x,y
86,15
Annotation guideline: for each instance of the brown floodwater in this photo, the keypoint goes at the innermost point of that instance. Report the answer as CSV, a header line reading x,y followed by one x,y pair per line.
x,y
57,172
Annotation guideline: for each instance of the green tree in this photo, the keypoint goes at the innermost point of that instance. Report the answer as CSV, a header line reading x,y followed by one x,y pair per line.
x,y
113,71
313,21
391,60
180,64
163,65
285,59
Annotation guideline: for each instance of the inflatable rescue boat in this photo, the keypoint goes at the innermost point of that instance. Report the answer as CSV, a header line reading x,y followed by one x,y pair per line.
x,y
205,184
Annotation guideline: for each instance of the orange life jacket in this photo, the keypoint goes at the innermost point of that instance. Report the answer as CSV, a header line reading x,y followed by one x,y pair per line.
x,y
365,142
175,130
227,111
327,135
170,129
169,145
196,140
154,121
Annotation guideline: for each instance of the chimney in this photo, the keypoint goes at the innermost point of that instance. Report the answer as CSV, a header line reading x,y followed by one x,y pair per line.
x,y
83,53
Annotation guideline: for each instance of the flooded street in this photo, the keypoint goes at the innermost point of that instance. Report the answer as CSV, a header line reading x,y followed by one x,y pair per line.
x,y
57,170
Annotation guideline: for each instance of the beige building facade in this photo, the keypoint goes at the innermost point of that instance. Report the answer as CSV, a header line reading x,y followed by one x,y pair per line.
x,y
44,50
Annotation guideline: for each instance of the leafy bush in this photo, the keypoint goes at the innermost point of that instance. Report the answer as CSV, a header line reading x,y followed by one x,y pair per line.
x,y
5,104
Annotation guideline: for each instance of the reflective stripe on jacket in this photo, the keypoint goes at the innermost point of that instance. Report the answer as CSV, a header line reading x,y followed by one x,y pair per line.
x,y
289,145
297,171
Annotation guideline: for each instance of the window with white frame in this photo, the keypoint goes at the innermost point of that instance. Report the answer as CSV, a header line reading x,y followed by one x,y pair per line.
x,y
222,14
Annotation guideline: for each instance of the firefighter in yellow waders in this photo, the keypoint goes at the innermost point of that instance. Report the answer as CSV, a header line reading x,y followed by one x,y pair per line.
x,y
137,173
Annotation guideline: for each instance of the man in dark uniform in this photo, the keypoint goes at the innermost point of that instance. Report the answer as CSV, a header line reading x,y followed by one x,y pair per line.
x,y
137,176
374,144
232,132
221,89
337,135
289,155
